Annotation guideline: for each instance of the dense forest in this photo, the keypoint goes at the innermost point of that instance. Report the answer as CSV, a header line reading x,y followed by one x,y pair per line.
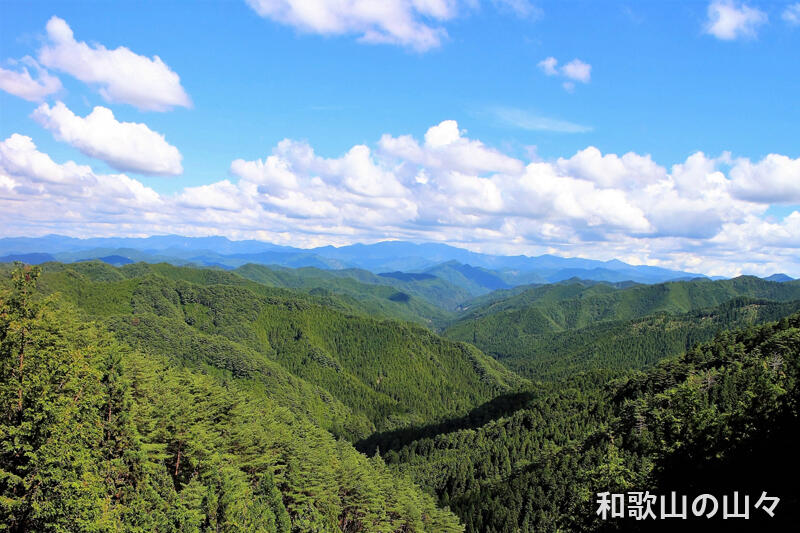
x,y
552,331
151,397
97,436
716,419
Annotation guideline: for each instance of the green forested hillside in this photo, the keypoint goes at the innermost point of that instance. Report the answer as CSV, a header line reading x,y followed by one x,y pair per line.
x,y
308,350
161,398
429,301
430,288
717,419
575,305
622,345
95,436
522,295
394,373
554,330
79,282
475,280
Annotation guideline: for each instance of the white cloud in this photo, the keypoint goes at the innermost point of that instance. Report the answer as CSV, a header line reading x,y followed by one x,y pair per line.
x,y
443,134
445,148
631,171
574,71
548,65
729,20
410,23
126,146
773,180
542,192
21,83
48,195
792,14
704,214
350,191
577,70
121,75
222,195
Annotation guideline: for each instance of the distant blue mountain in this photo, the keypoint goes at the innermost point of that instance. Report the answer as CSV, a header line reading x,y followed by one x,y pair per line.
x,y
292,257
58,243
34,258
475,279
407,276
480,271
116,260
779,277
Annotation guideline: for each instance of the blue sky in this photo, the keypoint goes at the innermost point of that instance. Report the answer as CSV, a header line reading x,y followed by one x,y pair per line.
x,y
533,105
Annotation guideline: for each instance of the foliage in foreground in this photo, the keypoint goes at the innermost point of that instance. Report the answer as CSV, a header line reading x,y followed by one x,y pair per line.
x,y
97,437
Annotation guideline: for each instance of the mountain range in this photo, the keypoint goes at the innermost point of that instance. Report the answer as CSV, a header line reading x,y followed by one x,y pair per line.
x,y
478,272
313,399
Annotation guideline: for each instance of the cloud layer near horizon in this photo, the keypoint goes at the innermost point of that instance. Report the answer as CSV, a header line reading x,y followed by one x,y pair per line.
x,y
706,214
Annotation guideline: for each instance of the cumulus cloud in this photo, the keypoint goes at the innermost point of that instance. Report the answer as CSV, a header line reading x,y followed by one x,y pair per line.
x,y
729,20
792,14
39,194
21,83
706,213
223,196
574,71
694,200
126,146
120,74
773,180
298,184
446,148
410,23
631,171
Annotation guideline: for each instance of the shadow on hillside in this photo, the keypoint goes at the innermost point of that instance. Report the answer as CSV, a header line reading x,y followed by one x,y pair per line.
x,y
501,406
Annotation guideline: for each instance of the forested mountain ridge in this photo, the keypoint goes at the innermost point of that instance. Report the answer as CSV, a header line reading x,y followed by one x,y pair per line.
x,y
426,286
95,436
477,281
354,374
551,331
623,345
536,292
573,305
427,300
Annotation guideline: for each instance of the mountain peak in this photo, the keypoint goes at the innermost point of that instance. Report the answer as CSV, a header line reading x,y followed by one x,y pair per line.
x,y
780,277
